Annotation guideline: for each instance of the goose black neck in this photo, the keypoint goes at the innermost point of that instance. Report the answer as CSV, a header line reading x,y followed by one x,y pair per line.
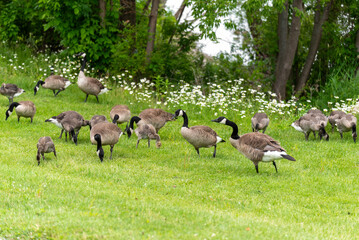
x,y
14,104
135,119
40,83
83,63
235,129
115,118
354,128
97,137
185,119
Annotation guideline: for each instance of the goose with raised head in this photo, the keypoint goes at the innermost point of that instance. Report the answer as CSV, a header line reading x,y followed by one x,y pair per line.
x,y
89,85
120,114
105,133
260,121
24,109
155,116
199,136
44,145
53,82
334,117
347,123
144,131
70,122
311,123
10,91
256,146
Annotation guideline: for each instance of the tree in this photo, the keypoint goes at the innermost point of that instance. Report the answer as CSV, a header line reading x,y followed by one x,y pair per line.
x,y
152,29
288,50
321,15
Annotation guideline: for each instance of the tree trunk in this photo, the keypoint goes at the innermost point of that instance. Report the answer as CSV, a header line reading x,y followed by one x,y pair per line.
x,y
178,16
284,63
152,29
319,18
357,46
146,6
102,12
127,13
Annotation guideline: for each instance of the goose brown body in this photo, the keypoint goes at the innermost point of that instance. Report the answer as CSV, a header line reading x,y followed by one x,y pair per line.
x,y
156,117
105,133
24,109
147,131
53,82
44,145
123,113
256,146
97,119
310,122
260,121
199,136
10,91
334,117
347,123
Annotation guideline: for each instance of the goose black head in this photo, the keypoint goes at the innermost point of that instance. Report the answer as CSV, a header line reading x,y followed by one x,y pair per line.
x,y
178,113
221,120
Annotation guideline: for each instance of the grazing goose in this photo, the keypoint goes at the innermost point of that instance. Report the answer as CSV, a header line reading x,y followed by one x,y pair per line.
x,y
259,121
334,117
311,123
97,119
89,85
199,136
10,91
70,122
105,133
154,116
144,131
120,114
255,146
44,145
24,109
346,123
315,111
53,82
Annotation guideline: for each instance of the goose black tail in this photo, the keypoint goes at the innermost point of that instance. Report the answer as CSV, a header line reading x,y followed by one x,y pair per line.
x,y
288,157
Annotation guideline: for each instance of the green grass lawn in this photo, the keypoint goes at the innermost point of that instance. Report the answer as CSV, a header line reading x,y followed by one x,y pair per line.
x,y
168,193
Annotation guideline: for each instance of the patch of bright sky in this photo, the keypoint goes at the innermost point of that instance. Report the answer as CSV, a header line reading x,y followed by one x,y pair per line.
x,y
224,36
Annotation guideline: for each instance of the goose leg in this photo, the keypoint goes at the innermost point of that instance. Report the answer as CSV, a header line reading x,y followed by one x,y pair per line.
x,y
315,135
256,165
264,129
43,156
252,129
86,97
97,100
55,153
54,92
138,141
62,130
197,151
332,128
18,119
66,136
275,165
31,120
57,93
149,142
306,136
214,153
341,135
111,149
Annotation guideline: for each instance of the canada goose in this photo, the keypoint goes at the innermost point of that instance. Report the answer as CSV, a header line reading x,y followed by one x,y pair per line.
x,y
311,123
96,119
10,91
70,122
53,82
24,109
144,131
199,136
334,117
259,121
256,146
44,145
154,116
89,85
105,133
120,114
314,111
346,123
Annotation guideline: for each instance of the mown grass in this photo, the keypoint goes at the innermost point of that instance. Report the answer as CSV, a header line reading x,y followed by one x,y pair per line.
x,y
168,193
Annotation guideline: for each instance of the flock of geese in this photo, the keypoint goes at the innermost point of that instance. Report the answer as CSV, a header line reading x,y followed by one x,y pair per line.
x,y
256,146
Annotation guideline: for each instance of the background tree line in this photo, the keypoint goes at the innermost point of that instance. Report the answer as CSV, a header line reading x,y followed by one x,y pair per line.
x,y
289,47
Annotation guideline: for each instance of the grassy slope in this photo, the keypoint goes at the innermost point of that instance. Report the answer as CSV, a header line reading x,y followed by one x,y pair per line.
x,y
170,192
